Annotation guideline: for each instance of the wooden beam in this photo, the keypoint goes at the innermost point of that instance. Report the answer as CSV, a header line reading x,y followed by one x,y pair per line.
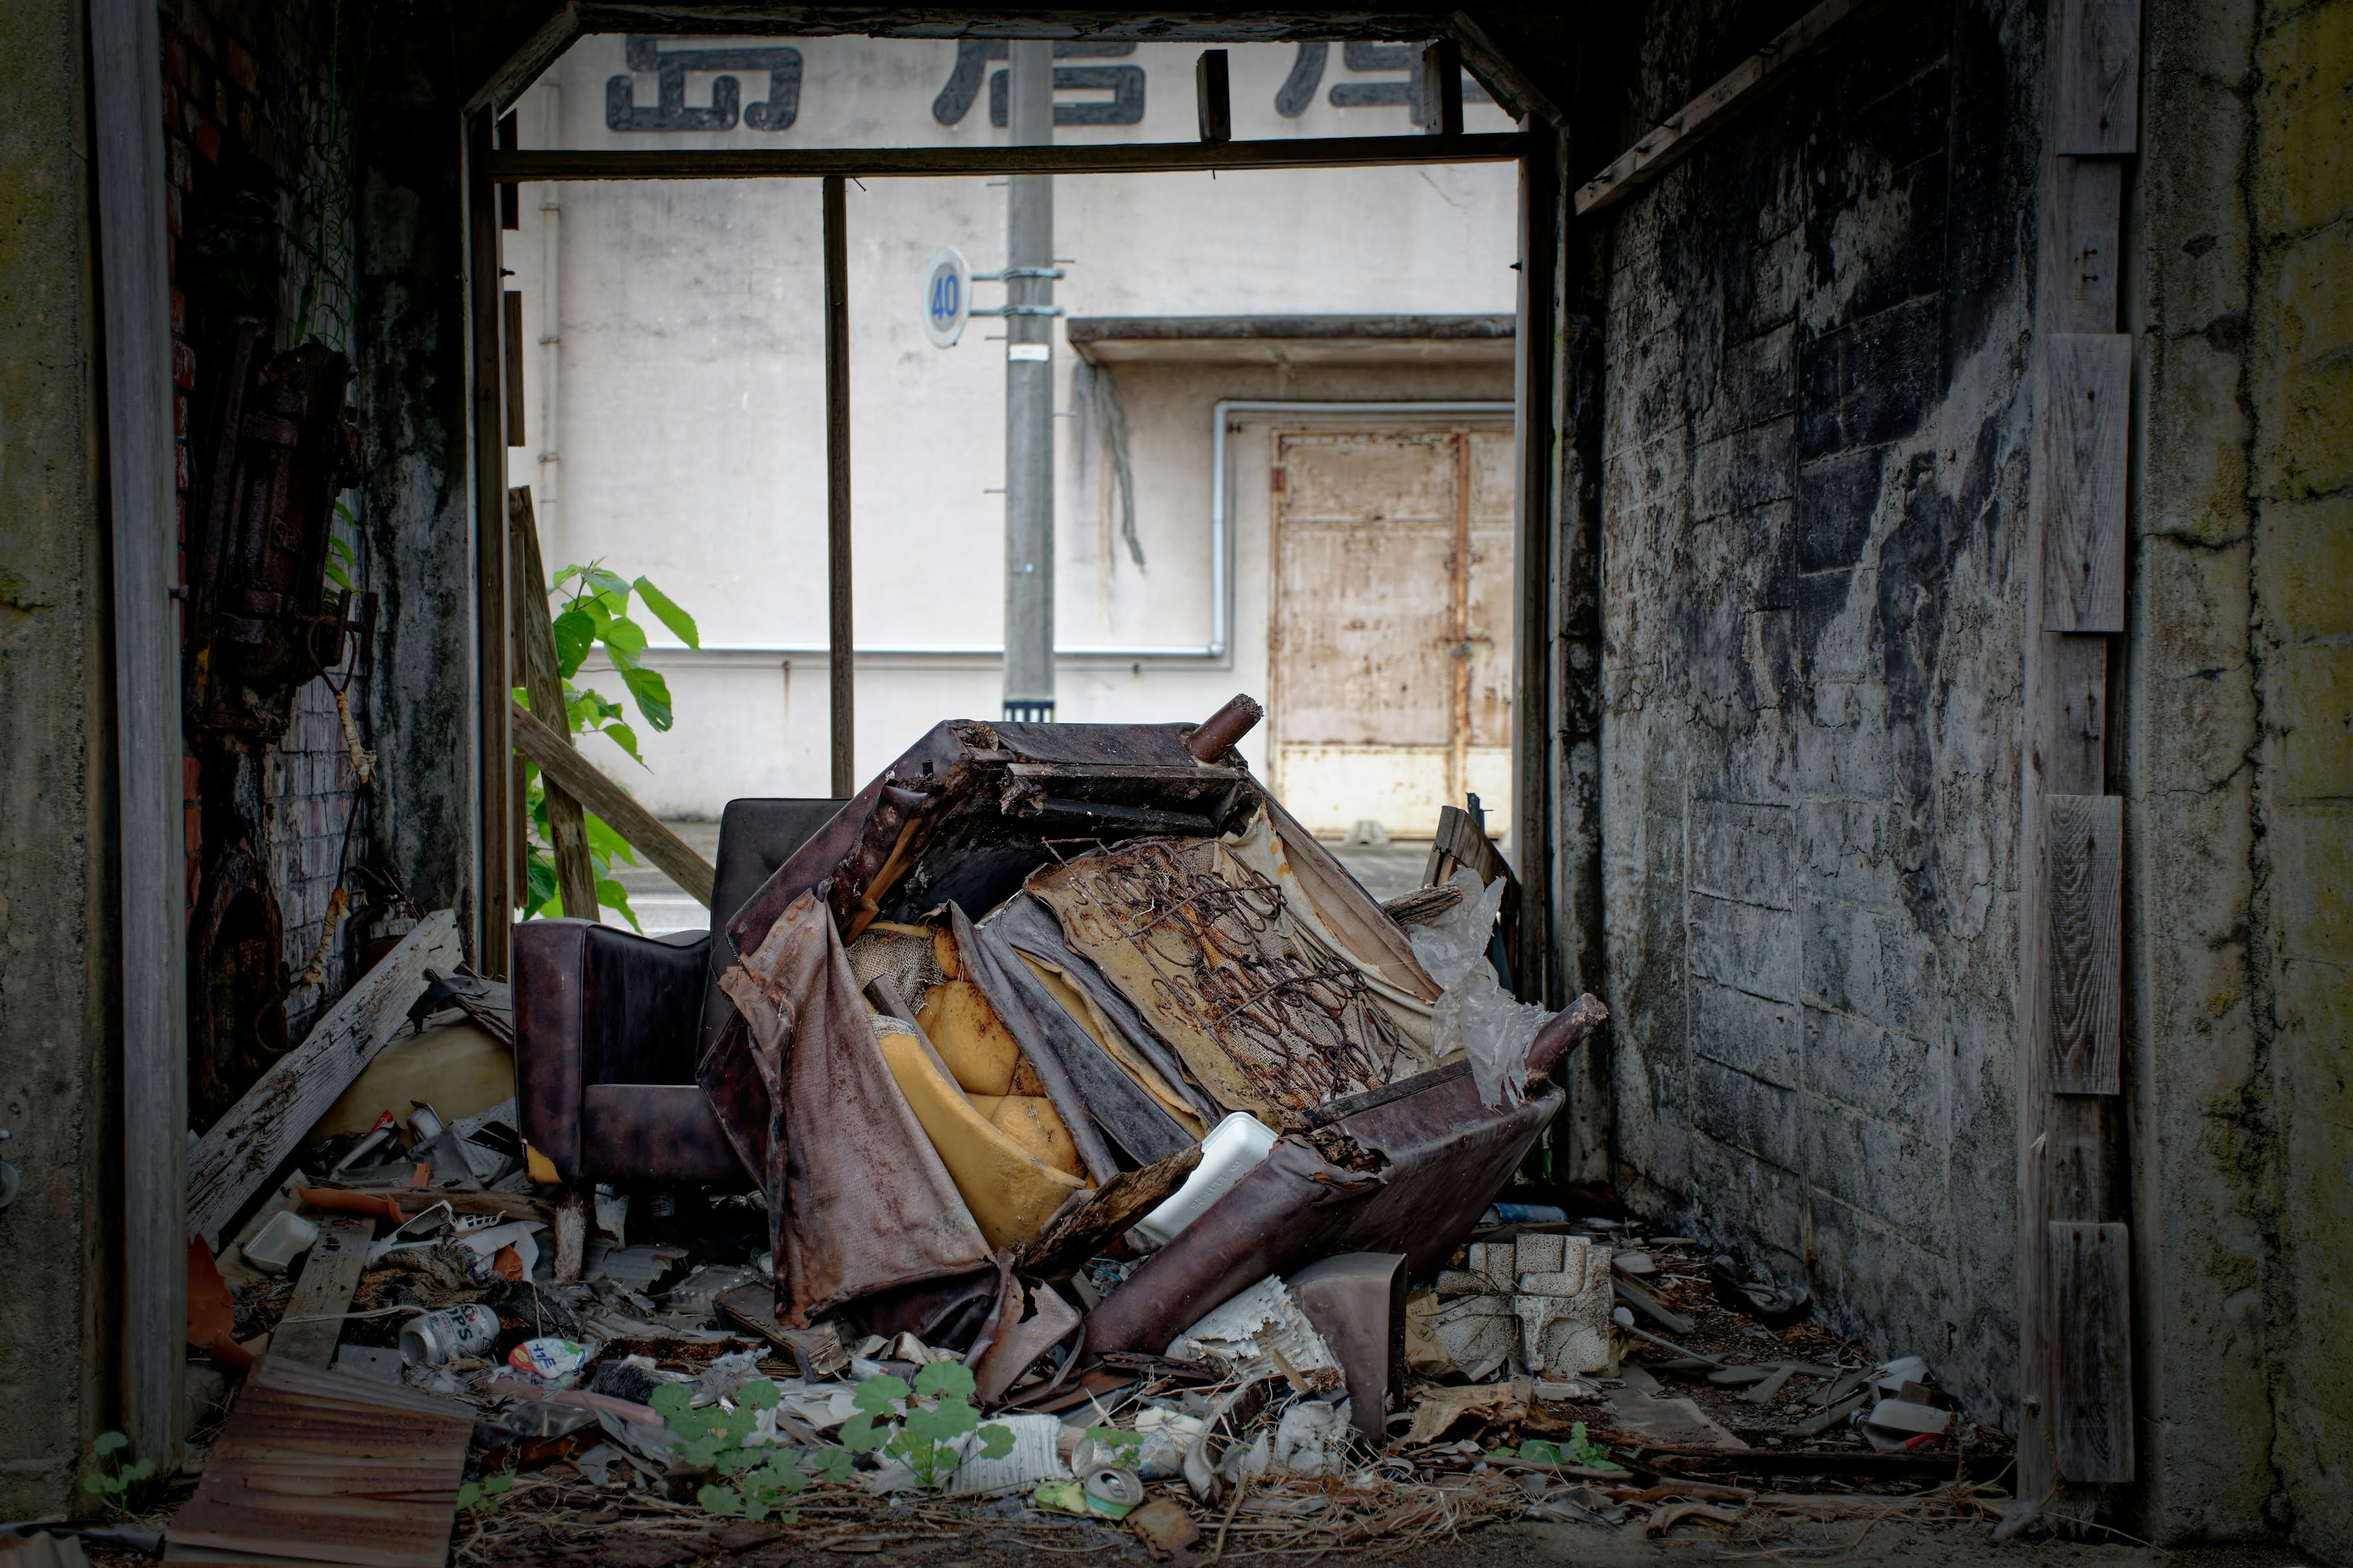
x,y
570,770
2092,1414
1680,134
1213,98
2097,63
543,679
512,322
841,662
134,307
314,1313
245,1148
2090,211
2084,843
495,895
2083,395
1059,158
1441,86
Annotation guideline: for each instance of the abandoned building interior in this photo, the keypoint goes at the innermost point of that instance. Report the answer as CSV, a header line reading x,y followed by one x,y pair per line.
x,y
1847,559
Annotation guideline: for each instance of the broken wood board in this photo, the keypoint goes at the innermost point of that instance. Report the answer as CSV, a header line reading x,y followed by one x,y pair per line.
x,y
1642,1407
317,1466
568,769
245,1148
1090,1219
543,679
314,1315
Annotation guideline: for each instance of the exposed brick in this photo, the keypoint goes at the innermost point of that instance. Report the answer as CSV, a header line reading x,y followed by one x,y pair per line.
x,y
183,476
175,61
208,140
184,365
179,314
243,68
179,415
172,219
171,105
191,773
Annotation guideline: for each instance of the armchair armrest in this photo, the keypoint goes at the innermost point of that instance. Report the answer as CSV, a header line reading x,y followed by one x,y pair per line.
x,y
596,1005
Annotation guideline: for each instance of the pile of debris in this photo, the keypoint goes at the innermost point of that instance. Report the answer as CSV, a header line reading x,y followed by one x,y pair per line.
x,y
1106,1155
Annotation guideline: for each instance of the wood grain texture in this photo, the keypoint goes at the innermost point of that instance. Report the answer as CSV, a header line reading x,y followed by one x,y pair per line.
x,y
841,662
512,338
2082,403
2089,204
494,914
2091,1334
1679,135
2096,70
243,1149
126,139
1092,1216
572,771
2082,848
543,681
314,1315
1063,158
2070,727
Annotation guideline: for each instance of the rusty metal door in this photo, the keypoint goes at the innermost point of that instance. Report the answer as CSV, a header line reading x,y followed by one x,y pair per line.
x,y
1391,635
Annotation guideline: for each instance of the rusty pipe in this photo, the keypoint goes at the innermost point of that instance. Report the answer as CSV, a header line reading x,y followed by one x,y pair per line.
x,y
1563,1033
1226,726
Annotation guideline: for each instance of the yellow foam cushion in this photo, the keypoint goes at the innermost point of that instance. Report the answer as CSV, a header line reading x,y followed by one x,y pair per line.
x,y
1010,1192
1030,1120
975,1042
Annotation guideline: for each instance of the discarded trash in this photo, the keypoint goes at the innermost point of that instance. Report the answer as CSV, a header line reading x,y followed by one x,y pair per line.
x,y
1109,1486
1473,1015
1164,1527
1525,1214
1259,1333
436,1339
1232,1147
1771,1305
285,1238
553,1362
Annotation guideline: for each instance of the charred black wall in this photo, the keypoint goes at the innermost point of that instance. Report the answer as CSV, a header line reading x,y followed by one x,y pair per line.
x,y
1812,489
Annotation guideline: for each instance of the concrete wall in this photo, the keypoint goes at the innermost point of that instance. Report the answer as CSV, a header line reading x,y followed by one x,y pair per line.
x,y
1812,492
58,1093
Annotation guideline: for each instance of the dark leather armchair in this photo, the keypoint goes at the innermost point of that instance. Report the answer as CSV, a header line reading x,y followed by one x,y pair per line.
x,y
609,1025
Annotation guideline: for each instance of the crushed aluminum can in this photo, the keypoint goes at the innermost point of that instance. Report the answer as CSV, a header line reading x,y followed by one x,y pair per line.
x,y
436,1339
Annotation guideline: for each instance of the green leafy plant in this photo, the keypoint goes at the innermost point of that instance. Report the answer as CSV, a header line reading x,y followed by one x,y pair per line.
x,y
591,606
923,1436
481,1497
756,1480
1130,1445
1579,1450
122,1474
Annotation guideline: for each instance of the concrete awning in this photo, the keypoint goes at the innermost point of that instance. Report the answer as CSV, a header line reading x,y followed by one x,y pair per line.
x,y
1294,340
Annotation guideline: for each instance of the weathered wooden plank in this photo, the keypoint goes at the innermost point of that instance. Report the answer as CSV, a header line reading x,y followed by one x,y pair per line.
x,y
1059,158
314,1315
2085,391
2071,724
126,140
2083,848
1441,86
512,338
2097,64
1213,98
245,1147
2092,1413
570,771
2089,209
1536,370
1679,135
543,681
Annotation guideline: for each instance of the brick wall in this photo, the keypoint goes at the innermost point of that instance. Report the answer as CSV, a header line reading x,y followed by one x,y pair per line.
x,y
1812,488
243,143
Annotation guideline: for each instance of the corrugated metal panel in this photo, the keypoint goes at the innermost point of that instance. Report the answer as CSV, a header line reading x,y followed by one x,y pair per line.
x,y
323,1467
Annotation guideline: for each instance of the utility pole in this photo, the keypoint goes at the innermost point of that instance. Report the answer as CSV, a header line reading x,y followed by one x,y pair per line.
x,y
1029,396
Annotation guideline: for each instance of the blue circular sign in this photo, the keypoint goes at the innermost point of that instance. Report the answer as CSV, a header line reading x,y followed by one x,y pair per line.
x,y
947,297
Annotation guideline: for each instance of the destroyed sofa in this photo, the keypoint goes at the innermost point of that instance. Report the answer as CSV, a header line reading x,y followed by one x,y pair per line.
x,y
609,1025
975,1026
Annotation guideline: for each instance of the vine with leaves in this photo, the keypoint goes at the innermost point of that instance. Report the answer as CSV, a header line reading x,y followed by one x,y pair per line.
x,y
593,611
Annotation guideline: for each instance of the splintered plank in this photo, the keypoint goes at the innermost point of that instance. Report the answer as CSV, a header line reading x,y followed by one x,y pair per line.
x,y
2083,848
2098,63
314,1315
2092,1417
2079,482
575,773
245,1148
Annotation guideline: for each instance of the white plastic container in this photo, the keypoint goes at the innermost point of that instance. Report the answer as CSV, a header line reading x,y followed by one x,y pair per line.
x,y
286,1237
1232,1147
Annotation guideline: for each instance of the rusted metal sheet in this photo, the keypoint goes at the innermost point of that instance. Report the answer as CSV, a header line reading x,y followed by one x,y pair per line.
x,y
324,1466
1391,656
859,1202
1208,949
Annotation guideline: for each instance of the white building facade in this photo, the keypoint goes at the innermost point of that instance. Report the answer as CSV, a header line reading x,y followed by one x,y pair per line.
x,y
1305,377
